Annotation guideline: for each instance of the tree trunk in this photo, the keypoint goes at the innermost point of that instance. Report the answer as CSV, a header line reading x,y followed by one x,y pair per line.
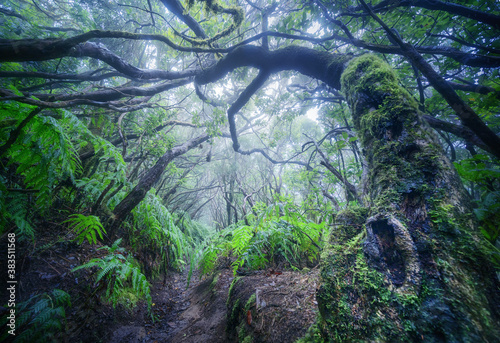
x,y
123,209
411,266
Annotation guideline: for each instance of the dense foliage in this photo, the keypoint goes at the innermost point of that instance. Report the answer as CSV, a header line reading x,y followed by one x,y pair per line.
x,y
174,134
278,234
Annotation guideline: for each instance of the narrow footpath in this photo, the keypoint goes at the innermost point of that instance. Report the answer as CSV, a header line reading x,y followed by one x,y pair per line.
x,y
196,314
264,306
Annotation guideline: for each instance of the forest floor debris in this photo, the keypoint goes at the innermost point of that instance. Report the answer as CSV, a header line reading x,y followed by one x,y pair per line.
x,y
273,306
285,309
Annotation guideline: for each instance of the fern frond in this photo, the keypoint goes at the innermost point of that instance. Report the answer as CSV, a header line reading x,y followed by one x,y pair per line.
x,y
41,317
120,273
17,210
86,227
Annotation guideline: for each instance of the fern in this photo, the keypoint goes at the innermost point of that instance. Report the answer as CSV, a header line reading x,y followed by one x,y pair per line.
x,y
15,208
126,284
93,186
86,227
45,155
41,317
158,234
280,234
42,156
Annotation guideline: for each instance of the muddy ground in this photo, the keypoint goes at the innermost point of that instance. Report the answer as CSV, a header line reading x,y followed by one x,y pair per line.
x,y
262,306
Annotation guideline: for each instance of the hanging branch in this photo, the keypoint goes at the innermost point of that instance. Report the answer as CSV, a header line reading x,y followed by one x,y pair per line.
x,y
244,97
466,114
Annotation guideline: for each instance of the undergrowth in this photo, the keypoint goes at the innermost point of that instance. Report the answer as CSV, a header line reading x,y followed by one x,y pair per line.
x,y
40,318
279,235
120,273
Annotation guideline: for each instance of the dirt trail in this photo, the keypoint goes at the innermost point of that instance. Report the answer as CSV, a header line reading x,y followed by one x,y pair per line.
x,y
195,315
206,315
265,306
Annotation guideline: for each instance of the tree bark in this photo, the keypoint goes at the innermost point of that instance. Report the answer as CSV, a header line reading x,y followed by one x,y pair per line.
x,y
411,266
123,209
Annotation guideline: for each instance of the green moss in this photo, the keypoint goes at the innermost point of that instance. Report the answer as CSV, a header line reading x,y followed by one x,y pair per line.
x,y
352,219
243,335
230,292
250,302
459,249
233,316
305,270
313,335
213,7
214,282
373,93
247,339
354,299
410,179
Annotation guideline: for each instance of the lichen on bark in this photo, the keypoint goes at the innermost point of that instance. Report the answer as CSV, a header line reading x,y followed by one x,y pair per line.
x,y
411,267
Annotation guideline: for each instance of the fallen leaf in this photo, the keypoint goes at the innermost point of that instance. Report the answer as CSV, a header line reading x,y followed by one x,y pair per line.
x,y
249,317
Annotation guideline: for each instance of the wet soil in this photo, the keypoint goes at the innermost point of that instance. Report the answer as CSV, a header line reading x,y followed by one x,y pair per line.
x,y
272,306
263,306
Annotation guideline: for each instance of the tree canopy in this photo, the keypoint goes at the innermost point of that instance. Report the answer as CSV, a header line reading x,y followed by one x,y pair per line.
x,y
210,111
118,61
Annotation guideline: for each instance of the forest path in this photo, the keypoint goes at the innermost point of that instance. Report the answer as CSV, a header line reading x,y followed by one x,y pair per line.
x,y
283,310
196,314
272,305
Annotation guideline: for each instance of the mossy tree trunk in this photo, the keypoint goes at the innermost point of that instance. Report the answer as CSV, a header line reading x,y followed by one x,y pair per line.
x,y
410,266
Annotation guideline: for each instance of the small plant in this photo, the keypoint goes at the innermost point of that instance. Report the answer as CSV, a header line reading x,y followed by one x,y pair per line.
x,y
126,284
156,236
41,317
279,234
86,227
485,175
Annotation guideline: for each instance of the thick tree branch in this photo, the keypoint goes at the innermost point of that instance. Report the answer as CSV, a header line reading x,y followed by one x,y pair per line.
x,y
136,195
46,49
52,48
469,59
487,18
474,88
244,97
466,114
99,98
321,65
77,77
457,130
100,52
11,13
179,11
